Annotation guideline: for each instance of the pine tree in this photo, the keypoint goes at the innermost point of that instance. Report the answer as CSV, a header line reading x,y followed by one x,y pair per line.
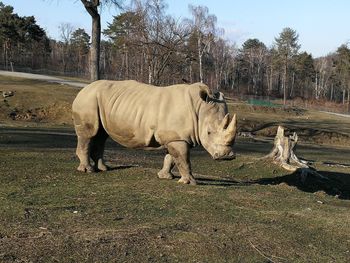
x,y
287,46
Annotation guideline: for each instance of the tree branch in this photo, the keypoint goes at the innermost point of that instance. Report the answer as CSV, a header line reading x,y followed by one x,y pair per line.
x,y
91,7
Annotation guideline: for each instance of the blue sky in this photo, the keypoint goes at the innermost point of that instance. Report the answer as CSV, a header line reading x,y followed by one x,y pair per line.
x,y
322,25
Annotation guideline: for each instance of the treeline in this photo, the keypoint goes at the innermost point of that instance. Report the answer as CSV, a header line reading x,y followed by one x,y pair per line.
x,y
146,44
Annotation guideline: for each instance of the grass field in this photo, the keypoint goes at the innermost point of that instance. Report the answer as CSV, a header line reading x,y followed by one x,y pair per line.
x,y
245,210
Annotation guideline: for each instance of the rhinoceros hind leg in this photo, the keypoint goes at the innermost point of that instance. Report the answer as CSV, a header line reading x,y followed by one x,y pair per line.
x,y
97,147
83,155
179,150
168,165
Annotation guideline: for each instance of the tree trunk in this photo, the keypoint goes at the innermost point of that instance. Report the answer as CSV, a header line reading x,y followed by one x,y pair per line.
x,y
91,6
271,81
316,87
285,86
6,51
127,64
150,77
292,88
95,48
200,59
331,96
104,62
191,80
4,54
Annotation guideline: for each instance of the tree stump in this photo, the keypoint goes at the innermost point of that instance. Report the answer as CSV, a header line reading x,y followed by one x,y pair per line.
x,y
283,155
282,152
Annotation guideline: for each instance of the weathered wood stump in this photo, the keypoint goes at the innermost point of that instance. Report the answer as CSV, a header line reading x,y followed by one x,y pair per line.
x,y
282,152
283,155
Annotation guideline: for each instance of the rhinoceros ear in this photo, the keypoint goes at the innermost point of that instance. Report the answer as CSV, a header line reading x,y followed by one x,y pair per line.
x,y
203,94
219,96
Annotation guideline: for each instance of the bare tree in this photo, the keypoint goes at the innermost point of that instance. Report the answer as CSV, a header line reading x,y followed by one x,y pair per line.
x,y
152,36
253,56
66,31
221,58
323,74
204,27
343,68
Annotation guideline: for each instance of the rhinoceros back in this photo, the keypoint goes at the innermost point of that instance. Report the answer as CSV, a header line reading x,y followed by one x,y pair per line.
x,y
138,115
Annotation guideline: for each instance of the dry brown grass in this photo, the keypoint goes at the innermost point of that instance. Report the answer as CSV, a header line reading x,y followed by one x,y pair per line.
x,y
36,101
244,210
312,126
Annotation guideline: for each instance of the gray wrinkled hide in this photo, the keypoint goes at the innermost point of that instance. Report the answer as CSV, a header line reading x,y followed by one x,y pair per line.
x,y
137,115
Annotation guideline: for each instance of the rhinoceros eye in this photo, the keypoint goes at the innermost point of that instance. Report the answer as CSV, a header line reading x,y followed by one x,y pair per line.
x,y
209,132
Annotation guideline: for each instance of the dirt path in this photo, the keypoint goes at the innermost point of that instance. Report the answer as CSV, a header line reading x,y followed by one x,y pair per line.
x,y
337,114
43,77
81,84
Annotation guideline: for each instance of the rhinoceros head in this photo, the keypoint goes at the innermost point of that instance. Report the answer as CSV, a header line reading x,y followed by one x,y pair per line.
x,y
217,130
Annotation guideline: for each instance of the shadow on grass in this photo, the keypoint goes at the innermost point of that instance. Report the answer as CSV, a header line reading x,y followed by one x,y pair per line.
x,y
27,138
121,167
221,182
335,184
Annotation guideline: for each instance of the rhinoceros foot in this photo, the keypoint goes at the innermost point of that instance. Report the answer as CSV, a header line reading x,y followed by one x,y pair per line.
x,y
165,175
191,181
86,168
101,166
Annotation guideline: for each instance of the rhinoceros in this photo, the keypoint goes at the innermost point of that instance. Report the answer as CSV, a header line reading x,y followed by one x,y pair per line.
x,y
138,115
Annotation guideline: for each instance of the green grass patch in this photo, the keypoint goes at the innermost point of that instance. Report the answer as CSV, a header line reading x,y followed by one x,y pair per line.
x,y
263,103
244,210
238,212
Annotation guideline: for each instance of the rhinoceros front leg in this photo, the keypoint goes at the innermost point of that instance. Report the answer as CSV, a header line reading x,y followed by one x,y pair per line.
x,y
181,155
168,165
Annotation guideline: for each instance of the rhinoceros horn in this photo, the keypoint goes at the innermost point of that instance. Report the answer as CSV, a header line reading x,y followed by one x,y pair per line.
x,y
231,128
225,122
227,125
